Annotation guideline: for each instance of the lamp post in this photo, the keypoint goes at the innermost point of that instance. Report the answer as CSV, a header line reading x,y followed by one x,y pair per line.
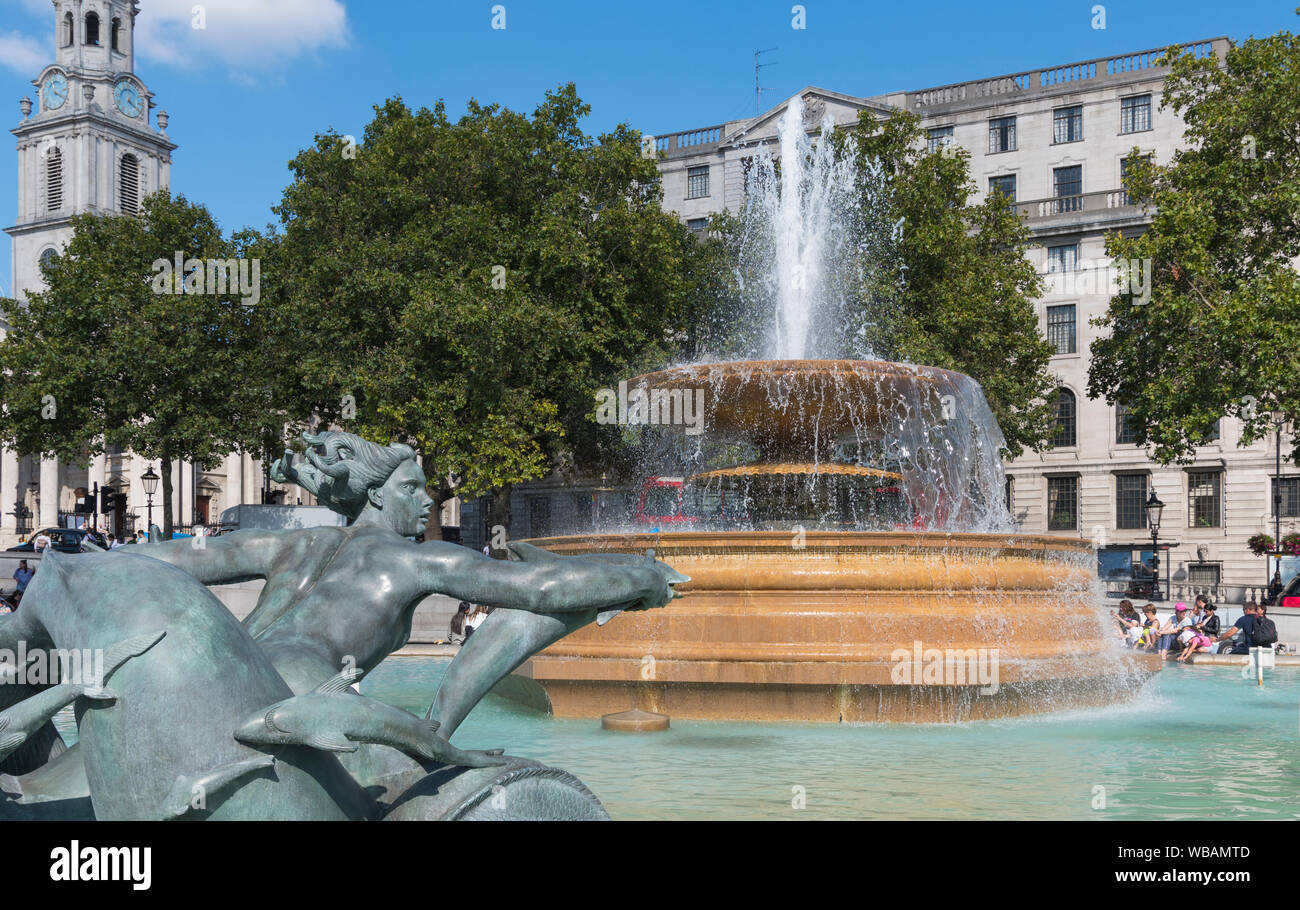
x,y
1155,508
150,481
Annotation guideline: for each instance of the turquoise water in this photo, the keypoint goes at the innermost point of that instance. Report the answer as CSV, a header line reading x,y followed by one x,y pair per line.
x,y
1196,743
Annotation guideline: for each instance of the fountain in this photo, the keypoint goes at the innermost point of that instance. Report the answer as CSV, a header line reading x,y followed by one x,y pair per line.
x,y
851,553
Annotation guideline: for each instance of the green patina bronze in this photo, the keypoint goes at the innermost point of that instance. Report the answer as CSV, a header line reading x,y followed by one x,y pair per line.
x,y
211,718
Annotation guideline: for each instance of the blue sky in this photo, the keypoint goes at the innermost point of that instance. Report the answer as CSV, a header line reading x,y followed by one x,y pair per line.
x,y
255,85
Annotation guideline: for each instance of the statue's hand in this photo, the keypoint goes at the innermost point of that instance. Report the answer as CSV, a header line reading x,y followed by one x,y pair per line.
x,y
282,470
659,577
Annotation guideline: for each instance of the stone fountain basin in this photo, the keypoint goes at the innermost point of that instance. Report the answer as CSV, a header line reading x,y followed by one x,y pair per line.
x,y
785,627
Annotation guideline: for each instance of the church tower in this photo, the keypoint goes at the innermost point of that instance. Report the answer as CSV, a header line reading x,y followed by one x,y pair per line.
x,y
86,144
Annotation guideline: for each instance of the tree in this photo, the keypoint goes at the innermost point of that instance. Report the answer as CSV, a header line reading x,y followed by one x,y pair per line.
x,y
941,281
1220,331
119,350
469,285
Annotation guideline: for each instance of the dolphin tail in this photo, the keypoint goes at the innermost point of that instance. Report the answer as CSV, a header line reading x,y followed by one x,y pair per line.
x,y
187,788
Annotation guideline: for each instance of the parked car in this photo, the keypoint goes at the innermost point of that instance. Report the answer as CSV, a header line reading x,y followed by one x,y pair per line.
x,y
65,540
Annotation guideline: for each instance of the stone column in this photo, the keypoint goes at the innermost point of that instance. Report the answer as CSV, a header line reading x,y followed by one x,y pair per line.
x,y
49,516
10,494
180,468
232,492
252,481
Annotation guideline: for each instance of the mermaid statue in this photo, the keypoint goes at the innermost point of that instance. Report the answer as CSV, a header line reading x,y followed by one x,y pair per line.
x,y
195,715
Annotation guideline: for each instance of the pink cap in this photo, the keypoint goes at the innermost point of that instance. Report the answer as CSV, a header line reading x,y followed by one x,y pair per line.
x,y
1180,606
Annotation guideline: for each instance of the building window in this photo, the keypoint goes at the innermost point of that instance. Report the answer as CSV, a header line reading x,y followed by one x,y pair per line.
x,y
54,180
1124,165
117,27
1004,185
1130,501
1135,114
939,137
1204,574
1067,124
92,29
697,182
1125,428
68,27
1289,487
697,225
48,256
129,184
1002,134
1203,503
1060,328
1213,435
1063,258
1067,187
1062,503
1066,419
1011,494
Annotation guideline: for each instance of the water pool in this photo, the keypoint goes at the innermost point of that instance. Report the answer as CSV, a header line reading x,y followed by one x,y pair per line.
x,y
1196,743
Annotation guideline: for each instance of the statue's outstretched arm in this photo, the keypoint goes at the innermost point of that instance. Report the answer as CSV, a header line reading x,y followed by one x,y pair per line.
x,y
555,585
238,556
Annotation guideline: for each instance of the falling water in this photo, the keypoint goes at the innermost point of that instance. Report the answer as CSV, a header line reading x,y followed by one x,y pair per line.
x,y
809,238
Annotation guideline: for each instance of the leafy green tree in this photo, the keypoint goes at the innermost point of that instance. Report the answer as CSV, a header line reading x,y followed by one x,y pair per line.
x,y
118,352
468,285
941,280
1220,332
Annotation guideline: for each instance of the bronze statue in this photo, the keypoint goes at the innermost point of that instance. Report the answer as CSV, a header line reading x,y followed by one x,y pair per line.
x,y
336,602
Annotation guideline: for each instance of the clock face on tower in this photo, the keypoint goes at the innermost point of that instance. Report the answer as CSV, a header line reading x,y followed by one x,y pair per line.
x,y
55,91
127,98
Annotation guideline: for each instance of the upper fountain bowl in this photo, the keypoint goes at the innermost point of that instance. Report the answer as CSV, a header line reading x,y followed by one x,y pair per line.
x,y
804,399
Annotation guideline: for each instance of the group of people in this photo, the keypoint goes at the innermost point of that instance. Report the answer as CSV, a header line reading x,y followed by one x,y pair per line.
x,y
1193,630
468,618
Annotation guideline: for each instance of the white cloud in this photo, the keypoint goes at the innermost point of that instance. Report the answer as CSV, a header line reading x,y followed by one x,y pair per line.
x,y
23,53
246,37
240,34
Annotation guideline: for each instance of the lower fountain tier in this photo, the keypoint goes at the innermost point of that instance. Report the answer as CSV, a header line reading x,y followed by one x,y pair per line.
x,y
845,626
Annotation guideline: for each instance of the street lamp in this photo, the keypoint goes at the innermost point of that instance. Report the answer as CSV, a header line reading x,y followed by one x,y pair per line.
x,y
1155,508
150,481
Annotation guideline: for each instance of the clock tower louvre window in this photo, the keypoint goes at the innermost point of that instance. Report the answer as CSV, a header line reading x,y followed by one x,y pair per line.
x,y
67,29
54,180
92,29
117,27
129,184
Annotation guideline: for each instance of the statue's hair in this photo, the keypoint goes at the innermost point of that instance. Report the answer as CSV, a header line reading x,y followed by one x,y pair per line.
x,y
347,467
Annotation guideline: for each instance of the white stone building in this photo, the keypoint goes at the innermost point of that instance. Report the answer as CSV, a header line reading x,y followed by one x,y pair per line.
x,y
86,144
1054,140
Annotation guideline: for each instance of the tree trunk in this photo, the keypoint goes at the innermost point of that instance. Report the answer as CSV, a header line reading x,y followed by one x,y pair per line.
x,y
166,468
499,522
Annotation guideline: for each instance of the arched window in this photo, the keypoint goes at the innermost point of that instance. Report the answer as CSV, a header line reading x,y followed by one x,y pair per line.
x,y
117,27
67,29
129,184
92,28
53,180
1066,419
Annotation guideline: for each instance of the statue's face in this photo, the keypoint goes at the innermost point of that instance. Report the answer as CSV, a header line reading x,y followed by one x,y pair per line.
x,y
406,505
